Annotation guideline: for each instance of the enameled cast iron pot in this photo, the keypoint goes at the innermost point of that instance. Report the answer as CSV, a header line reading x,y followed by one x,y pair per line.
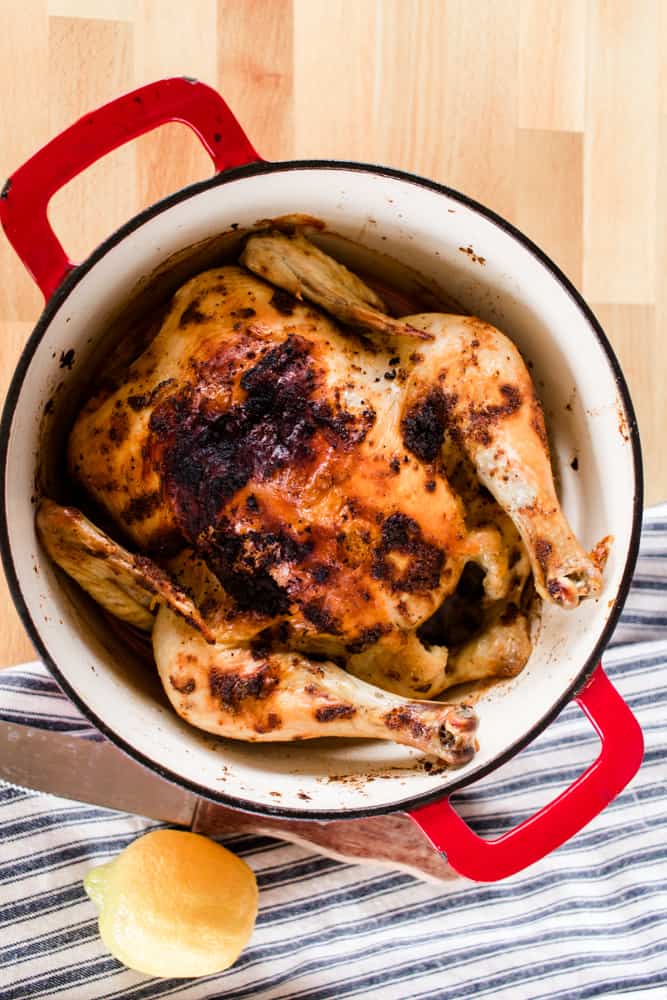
x,y
516,287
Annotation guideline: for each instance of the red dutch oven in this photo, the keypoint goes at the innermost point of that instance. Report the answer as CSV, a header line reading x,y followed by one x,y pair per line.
x,y
366,210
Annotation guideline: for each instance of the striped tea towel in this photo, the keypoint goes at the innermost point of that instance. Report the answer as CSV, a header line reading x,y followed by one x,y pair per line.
x,y
590,920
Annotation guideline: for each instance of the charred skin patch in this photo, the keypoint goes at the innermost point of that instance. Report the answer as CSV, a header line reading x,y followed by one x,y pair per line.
x,y
403,535
207,457
192,314
141,507
406,718
243,564
329,713
317,615
119,426
367,637
283,302
543,550
231,689
140,401
480,420
269,724
423,426
183,687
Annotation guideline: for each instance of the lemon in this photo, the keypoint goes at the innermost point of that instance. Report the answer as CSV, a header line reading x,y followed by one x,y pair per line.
x,y
174,904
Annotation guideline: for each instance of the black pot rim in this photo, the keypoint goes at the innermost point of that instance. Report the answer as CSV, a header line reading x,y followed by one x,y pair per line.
x,y
58,298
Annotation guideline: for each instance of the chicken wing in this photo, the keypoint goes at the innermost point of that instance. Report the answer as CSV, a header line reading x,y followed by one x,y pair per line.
x,y
131,587
302,269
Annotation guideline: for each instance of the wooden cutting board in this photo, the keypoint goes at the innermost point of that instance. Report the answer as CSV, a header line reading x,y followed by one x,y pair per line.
x,y
551,113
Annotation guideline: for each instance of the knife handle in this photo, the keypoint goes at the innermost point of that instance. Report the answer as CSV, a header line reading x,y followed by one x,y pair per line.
x,y
393,840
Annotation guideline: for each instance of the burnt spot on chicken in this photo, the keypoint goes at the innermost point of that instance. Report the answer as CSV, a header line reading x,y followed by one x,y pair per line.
x,y
283,302
480,420
424,564
270,639
139,401
209,456
321,572
330,713
232,688
423,426
315,613
183,687
368,637
192,314
406,718
243,564
269,724
141,507
119,426
543,549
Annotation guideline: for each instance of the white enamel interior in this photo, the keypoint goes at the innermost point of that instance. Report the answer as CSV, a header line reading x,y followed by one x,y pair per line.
x,y
513,290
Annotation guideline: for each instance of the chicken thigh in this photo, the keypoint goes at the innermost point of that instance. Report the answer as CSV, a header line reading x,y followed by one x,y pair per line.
x,y
295,479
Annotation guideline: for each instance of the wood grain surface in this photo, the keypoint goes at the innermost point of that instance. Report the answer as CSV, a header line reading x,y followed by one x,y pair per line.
x,y
552,112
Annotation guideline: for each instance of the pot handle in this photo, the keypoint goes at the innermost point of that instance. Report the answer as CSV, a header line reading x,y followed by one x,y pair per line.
x,y
621,754
25,197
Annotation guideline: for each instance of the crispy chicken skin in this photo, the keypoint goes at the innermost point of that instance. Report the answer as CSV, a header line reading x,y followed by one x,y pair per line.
x,y
315,493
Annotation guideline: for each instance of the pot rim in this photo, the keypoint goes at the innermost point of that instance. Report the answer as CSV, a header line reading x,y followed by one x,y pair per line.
x,y
61,294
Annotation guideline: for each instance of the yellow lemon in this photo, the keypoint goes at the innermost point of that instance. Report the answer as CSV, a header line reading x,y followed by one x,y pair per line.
x,y
175,904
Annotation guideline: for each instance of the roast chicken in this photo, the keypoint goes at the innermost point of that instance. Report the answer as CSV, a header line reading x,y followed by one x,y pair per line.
x,y
330,516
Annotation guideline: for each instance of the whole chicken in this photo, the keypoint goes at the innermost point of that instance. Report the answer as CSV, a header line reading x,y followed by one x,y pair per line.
x,y
320,496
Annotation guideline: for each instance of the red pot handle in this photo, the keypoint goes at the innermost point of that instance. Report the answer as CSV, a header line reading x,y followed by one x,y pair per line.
x,y
25,197
620,756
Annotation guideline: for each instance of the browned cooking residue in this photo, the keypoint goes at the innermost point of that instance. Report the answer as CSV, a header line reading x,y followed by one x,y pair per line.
x,y
623,429
474,257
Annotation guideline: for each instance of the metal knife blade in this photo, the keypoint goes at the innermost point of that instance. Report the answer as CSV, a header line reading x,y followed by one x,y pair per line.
x,y
92,771
96,772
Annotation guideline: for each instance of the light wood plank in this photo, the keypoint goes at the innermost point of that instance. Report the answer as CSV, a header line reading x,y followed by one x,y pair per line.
x,y
24,127
638,342
337,98
552,64
172,39
90,64
620,152
549,181
257,80
104,10
448,94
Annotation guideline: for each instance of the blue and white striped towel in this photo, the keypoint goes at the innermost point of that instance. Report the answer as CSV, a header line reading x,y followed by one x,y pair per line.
x,y
588,921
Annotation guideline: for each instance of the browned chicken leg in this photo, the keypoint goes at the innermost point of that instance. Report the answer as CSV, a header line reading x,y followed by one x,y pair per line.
x,y
262,695
475,385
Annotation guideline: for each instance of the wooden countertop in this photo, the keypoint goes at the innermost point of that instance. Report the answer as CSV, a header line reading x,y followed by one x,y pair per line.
x,y
552,112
